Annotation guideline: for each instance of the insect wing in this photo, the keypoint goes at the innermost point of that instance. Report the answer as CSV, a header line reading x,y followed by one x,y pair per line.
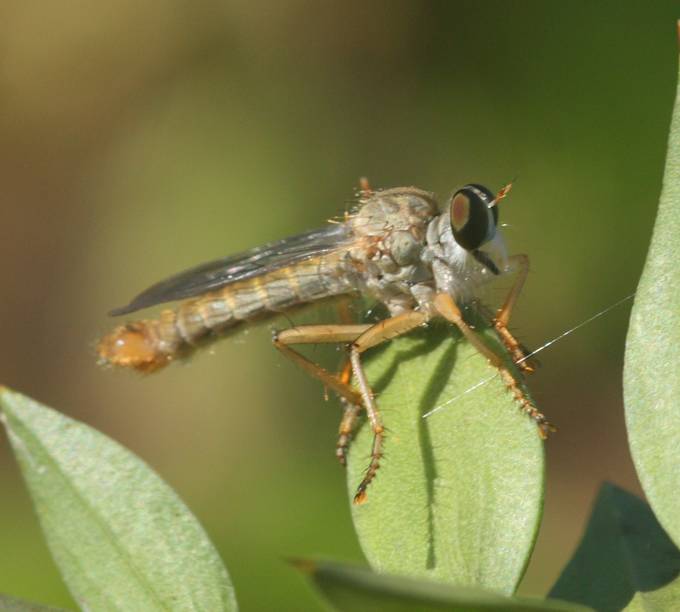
x,y
242,266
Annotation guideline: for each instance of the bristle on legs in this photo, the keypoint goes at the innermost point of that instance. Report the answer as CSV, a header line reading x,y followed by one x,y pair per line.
x,y
545,428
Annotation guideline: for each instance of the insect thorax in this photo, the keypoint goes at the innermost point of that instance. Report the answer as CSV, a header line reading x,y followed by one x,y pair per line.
x,y
405,252
390,234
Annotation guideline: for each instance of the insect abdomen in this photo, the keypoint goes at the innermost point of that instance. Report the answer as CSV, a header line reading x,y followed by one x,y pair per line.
x,y
148,345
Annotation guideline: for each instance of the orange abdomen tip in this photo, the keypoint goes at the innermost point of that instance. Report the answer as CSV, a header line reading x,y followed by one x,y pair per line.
x,y
132,346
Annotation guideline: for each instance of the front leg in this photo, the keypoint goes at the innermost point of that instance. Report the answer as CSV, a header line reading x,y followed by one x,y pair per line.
x,y
446,306
502,318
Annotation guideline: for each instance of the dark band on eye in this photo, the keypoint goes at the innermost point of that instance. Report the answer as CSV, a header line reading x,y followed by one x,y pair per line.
x,y
473,216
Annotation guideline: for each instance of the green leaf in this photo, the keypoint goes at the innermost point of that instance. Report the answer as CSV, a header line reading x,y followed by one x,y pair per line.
x,y
459,495
11,604
624,556
652,372
355,589
121,537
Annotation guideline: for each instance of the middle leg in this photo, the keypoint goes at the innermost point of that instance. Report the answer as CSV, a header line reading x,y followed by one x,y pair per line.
x,y
377,334
360,338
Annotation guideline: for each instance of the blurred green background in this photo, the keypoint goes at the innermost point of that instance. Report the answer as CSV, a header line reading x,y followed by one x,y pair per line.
x,y
138,139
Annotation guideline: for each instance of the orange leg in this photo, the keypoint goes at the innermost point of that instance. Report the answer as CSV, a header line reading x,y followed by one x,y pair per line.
x,y
348,423
447,308
318,334
350,416
377,334
360,338
502,318
365,188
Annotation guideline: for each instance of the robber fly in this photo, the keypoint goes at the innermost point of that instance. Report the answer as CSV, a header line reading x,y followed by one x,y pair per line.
x,y
397,247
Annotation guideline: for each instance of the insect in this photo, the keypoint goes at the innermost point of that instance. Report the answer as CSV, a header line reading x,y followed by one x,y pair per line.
x,y
397,247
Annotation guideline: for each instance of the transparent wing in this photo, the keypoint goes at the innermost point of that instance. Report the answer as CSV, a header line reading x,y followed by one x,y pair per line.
x,y
254,262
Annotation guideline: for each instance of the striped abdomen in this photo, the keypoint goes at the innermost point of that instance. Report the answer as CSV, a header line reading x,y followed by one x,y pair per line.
x,y
148,345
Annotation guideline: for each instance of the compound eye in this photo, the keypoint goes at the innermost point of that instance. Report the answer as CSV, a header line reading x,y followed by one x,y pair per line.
x,y
474,216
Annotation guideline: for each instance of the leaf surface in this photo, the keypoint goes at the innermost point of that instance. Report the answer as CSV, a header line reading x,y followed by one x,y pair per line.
x,y
652,361
355,589
120,536
459,495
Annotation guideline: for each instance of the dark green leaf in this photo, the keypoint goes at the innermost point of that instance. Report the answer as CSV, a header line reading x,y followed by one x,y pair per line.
x,y
459,497
624,554
355,589
121,537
